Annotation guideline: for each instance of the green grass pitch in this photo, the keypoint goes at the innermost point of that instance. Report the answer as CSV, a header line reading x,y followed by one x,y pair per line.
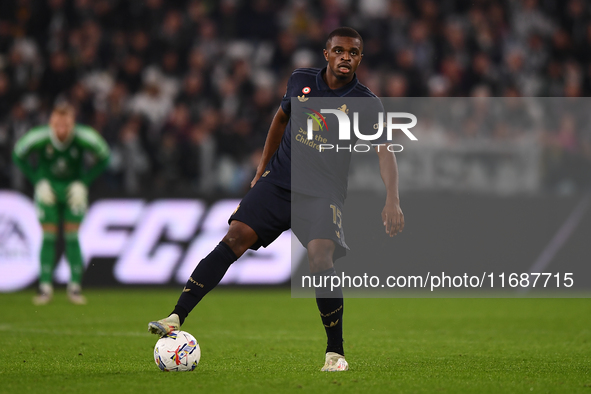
x,y
261,340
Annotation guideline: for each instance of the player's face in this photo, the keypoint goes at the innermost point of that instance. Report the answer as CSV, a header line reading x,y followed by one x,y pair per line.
x,y
62,125
343,55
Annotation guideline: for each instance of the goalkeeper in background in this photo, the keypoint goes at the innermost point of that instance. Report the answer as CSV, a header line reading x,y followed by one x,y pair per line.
x,y
61,189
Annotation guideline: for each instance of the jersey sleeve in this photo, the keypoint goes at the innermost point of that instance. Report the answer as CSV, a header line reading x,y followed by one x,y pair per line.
x,y
92,141
289,93
33,140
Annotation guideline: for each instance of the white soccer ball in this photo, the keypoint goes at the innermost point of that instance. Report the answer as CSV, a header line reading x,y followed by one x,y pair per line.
x,y
178,351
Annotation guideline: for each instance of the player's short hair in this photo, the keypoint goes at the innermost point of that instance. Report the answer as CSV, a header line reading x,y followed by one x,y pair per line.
x,y
344,32
64,109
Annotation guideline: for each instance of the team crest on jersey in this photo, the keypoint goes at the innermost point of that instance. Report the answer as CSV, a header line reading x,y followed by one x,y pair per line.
x,y
74,152
49,150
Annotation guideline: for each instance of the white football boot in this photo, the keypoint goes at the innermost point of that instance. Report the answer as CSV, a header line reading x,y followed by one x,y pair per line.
x,y
165,326
335,363
45,294
75,294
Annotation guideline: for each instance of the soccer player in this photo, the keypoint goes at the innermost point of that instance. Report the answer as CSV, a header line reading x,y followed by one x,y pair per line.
x,y
61,189
265,212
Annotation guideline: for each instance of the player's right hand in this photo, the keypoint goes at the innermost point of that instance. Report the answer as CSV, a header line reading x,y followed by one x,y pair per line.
x,y
44,193
393,218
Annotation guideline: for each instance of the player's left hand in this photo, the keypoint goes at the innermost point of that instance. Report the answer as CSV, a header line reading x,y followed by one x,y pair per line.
x,y
77,196
255,179
393,218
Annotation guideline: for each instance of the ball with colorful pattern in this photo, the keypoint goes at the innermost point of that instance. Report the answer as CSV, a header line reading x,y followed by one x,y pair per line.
x,y
178,351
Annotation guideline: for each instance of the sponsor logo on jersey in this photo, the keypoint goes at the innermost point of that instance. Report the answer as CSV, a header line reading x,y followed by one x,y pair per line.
x,y
316,121
60,166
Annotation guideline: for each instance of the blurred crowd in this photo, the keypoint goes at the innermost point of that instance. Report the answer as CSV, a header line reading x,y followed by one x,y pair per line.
x,y
184,90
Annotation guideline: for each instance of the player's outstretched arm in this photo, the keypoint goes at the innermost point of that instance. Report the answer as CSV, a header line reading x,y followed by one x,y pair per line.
x,y
392,215
272,142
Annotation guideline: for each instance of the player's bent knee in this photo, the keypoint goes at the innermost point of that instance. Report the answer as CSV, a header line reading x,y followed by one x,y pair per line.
x,y
320,255
49,228
319,264
239,237
71,227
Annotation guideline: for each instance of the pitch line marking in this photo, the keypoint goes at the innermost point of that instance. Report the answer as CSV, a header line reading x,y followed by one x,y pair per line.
x,y
6,327
561,236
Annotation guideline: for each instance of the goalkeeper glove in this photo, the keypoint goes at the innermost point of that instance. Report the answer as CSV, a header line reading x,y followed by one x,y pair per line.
x,y
44,193
77,197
